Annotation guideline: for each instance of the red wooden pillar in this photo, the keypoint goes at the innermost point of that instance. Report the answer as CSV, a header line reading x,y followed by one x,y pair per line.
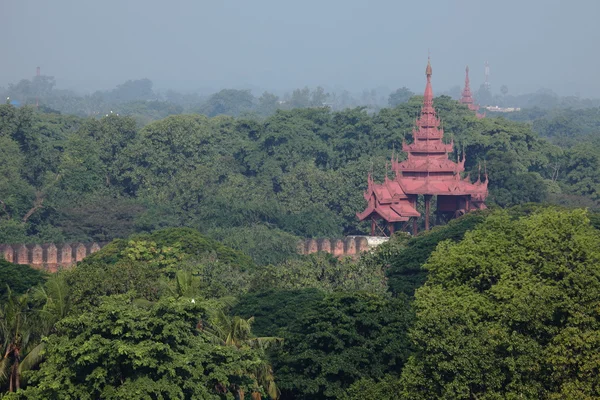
x,y
427,210
372,226
391,228
415,226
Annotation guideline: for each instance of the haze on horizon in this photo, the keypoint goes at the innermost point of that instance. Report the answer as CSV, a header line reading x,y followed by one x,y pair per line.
x,y
279,45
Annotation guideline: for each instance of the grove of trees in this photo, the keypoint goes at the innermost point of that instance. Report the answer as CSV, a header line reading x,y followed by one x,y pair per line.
x,y
199,292
297,173
497,304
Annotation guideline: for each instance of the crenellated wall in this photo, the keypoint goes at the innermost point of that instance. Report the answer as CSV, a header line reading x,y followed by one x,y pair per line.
x,y
349,246
49,257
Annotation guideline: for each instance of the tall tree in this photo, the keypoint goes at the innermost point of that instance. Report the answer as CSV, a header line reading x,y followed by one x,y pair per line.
x,y
20,334
121,349
400,96
341,339
510,311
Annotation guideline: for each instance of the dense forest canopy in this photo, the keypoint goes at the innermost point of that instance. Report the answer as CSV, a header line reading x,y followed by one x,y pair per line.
x,y
296,173
200,293
504,305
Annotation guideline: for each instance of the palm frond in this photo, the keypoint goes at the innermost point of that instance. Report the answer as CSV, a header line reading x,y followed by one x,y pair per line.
x,y
4,369
264,342
33,358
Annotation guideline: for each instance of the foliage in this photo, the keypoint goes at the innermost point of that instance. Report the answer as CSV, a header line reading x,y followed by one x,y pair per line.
x,y
274,310
19,278
339,340
400,96
403,259
510,311
122,350
300,171
168,247
99,218
228,102
322,271
148,264
265,245
387,388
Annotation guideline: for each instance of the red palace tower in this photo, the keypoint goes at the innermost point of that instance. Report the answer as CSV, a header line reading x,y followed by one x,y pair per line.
x,y
467,97
426,172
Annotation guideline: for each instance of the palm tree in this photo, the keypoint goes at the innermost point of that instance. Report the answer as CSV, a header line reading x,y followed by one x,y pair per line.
x,y
236,331
55,297
22,327
20,339
186,284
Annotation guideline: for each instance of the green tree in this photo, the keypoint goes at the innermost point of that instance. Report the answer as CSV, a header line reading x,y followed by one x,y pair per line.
x,y
510,312
15,190
268,103
123,350
583,164
387,388
403,258
147,265
98,217
265,245
300,98
20,336
237,332
19,278
322,271
400,96
138,89
340,340
228,102
274,309
318,97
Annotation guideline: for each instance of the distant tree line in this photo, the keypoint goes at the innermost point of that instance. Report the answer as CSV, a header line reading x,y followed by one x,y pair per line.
x,y
297,173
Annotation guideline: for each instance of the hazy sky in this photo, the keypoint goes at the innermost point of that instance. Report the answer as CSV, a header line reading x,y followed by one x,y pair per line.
x,y
281,44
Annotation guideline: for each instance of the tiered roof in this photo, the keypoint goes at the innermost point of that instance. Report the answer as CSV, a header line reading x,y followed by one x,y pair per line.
x,y
426,171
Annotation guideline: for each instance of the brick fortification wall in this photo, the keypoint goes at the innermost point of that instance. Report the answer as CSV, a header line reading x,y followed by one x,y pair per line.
x,y
349,246
48,257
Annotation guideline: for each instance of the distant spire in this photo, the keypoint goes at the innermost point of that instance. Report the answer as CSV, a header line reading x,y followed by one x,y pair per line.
x,y
467,96
428,95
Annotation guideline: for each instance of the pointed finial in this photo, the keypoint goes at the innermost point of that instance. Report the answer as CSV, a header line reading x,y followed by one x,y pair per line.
x,y
428,71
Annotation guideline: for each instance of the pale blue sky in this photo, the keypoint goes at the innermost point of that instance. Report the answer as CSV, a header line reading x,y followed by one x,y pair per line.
x,y
279,44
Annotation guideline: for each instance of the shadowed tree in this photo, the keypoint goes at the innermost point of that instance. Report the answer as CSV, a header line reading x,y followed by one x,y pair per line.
x,y
400,96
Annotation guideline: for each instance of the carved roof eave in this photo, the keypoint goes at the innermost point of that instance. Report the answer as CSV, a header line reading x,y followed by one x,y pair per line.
x,y
425,148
